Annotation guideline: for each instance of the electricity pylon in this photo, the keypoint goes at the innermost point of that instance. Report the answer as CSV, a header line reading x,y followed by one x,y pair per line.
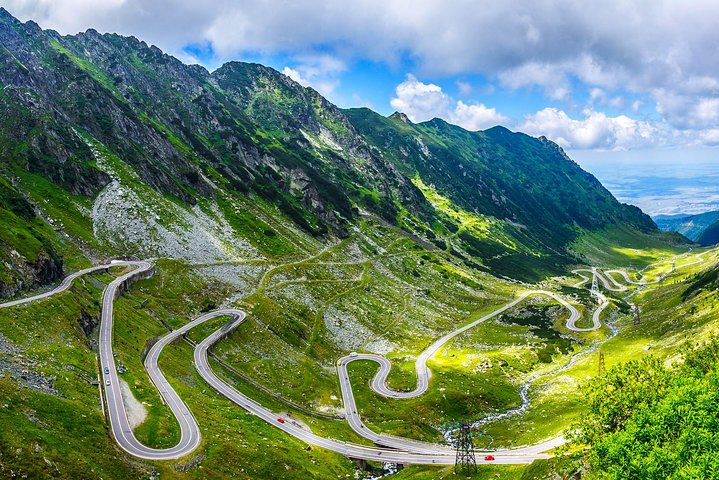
x,y
464,461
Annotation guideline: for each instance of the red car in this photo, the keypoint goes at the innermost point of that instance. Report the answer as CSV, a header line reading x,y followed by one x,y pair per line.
x,y
488,458
281,420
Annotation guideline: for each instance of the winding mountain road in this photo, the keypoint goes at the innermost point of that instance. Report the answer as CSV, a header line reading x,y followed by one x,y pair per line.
x,y
405,452
64,285
117,415
392,449
379,381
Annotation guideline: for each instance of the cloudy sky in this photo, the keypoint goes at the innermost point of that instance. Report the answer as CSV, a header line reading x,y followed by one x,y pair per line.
x,y
612,77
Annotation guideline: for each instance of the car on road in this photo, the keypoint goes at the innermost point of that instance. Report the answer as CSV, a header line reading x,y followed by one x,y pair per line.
x,y
107,370
280,419
107,382
489,458
353,354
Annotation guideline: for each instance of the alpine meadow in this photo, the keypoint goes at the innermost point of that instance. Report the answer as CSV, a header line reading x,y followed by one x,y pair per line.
x,y
233,255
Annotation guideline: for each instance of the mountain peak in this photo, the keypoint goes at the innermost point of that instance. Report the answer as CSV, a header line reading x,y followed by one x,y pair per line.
x,y
6,16
499,129
441,124
268,135
402,117
91,32
30,27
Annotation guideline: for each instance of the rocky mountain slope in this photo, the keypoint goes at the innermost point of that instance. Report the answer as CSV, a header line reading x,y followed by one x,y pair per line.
x,y
108,146
527,188
334,230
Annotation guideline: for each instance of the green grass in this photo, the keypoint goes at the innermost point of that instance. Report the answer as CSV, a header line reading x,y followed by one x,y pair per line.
x,y
617,246
536,471
667,322
16,232
26,238
69,430
71,211
403,295
259,233
452,394
479,226
132,329
376,291
458,389
42,436
235,441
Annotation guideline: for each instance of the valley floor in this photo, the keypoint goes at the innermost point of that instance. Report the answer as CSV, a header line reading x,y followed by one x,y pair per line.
x,y
515,374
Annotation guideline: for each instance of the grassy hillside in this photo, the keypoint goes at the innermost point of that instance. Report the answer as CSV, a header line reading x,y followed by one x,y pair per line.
x,y
654,416
533,200
336,231
305,313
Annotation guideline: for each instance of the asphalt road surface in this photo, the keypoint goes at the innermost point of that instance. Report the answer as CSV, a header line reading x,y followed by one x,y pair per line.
x,y
379,382
117,416
392,449
64,285
189,430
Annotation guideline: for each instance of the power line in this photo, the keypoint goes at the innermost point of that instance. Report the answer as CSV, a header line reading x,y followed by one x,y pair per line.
x,y
464,461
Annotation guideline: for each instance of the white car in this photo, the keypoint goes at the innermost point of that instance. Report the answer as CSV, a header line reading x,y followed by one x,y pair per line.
x,y
107,382
353,354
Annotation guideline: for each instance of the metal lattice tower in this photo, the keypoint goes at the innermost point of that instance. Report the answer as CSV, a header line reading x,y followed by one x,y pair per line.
x,y
602,368
464,461
637,320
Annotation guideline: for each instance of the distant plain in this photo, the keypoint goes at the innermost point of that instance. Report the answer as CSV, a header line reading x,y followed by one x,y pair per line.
x,y
661,185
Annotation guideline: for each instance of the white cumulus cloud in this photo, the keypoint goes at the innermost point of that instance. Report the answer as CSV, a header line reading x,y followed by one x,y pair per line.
x,y
659,52
317,71
688,111
476,117
551,79
595,130
424,101
420,101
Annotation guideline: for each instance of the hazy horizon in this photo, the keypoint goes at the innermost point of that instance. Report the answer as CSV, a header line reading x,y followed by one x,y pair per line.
x,y
661,183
